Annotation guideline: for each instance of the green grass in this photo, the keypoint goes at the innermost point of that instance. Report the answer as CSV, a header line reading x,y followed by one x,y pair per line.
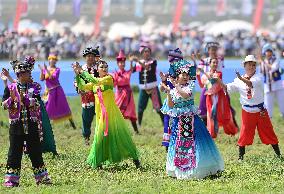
x,y
260,172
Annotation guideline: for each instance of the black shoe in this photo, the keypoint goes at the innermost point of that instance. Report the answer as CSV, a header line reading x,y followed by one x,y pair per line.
x,y
242,151
137,163
276,150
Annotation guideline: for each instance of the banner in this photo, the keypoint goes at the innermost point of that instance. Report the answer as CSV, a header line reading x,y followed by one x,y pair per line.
x,y
257,15
18,14
107,4
221,8
139,12
76,8
177,15
25,8
98,17
192,7
246,7
51,7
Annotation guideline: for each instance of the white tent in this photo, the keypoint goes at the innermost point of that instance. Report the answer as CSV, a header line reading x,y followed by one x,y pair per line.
x,y
83,26
228,26
126,29
150,25
54,27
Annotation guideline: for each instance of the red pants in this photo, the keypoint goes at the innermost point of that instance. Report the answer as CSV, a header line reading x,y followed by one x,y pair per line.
x,y
264,127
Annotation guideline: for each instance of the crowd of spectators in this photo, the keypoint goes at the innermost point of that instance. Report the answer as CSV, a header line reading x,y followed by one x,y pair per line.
x,y
69,46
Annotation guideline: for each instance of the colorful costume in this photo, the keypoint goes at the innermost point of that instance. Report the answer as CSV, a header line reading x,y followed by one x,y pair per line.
x,y
173,56
218,106
192,152
254,114
25,125
273,84
87,97
124,95
205,65
57,106
112,141
148,87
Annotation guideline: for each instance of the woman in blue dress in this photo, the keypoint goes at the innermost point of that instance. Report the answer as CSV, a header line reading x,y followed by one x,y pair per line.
x,y
192,153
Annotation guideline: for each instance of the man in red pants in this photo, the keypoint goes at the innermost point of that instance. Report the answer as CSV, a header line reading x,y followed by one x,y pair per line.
x,y
254,114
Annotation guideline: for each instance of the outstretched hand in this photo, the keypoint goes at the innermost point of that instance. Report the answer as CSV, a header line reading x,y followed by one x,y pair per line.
x,y
77,68
5,72
238,74
163,76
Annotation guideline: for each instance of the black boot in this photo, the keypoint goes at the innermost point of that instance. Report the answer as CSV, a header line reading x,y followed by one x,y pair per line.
x,y
242,151
167,149
72,123
140,116
137,163
276,150
134,125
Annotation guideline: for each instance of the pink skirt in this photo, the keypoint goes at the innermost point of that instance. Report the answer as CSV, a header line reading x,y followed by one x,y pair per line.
x,y
125,101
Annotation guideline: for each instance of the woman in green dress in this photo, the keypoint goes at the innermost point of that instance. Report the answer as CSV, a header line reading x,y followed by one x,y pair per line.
x,y
112,140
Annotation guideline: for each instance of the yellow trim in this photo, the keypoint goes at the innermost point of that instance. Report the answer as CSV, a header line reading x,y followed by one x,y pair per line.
x,y
62,119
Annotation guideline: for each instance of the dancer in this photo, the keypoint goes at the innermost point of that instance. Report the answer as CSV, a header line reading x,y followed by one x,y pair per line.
x,y
47,137
273,84
92,56
173,56
217,104
192,152
124,95
211,48
147,83
57,106
112,141
254,114
21,101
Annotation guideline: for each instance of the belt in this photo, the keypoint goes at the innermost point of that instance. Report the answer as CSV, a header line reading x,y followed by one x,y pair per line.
x,y
90,104
260,106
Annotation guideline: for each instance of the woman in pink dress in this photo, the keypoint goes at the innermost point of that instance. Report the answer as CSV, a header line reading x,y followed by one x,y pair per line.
x,y
124,95
57,106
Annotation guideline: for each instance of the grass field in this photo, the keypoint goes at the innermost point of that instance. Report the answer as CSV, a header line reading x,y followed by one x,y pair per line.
x,y
260,172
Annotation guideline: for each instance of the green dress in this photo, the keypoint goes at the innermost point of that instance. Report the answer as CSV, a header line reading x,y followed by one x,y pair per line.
x,y
112,140
48,143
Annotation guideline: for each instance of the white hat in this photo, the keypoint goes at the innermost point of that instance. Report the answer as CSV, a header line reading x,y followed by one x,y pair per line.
x,y
249,58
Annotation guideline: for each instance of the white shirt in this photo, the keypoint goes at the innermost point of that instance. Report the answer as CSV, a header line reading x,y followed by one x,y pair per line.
x,y
257,92
275,85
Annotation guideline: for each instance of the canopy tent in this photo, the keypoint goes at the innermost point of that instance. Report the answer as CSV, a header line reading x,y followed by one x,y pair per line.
x,y
126,29
228,26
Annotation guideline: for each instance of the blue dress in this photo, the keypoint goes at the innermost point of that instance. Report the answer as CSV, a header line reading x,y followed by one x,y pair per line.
x,y
192,153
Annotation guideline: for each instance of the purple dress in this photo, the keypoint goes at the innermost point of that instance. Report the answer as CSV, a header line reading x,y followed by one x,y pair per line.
x,y
57,106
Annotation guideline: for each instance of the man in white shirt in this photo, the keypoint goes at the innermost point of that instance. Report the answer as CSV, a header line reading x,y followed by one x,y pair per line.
x,y
254,114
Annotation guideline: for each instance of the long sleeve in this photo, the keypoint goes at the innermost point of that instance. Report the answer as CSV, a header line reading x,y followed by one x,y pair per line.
x,y
6,99
233,87
84,77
